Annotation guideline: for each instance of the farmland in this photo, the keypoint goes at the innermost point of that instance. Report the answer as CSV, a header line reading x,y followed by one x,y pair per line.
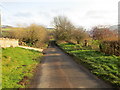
x,y
17,66
104,66
6,29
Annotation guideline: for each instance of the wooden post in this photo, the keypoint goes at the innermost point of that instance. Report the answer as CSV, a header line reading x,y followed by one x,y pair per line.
x,y
0,26
85,42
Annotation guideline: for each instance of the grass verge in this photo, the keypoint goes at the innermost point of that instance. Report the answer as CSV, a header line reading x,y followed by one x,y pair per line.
x,y
106,67
17,66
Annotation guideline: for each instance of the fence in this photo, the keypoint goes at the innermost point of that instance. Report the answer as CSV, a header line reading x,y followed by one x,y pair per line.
x,y
6,42
110,47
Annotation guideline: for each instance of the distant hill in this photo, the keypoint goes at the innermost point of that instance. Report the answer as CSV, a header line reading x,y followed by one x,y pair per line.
x,y
6,26
114,27
50,28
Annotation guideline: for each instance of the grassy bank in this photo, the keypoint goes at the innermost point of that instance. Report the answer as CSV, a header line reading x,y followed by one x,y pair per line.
x,y
104,66
17,66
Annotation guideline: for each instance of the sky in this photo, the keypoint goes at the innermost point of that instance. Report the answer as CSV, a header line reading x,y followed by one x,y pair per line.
x,y
86,13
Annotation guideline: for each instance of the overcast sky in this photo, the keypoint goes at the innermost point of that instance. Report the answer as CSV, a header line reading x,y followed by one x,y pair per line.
x,y
86,13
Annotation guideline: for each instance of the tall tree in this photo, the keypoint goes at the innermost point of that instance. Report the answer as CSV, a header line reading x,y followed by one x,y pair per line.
x,y
63,28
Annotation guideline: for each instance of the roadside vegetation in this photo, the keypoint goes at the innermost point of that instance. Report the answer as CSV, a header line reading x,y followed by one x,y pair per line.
x,y
17,66
104,66
33,35
95,49
100,38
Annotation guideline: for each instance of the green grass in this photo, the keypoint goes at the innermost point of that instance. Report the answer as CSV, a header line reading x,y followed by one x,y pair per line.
x,y
104,66
6,29
18,63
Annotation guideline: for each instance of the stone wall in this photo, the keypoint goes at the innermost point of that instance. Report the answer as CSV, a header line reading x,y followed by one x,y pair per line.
x,y
6,42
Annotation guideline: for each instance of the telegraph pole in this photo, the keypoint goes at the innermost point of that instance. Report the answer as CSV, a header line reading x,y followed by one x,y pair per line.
x,y
0,26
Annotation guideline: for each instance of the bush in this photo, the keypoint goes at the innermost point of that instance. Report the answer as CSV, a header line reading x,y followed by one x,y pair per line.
x,y
33,35
111,47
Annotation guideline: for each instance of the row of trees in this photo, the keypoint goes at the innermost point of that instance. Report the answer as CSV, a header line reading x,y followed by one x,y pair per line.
x,y
65,30
33,35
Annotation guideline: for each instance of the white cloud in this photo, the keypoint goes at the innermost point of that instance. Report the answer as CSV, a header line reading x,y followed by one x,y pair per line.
x,y
81,12
23,14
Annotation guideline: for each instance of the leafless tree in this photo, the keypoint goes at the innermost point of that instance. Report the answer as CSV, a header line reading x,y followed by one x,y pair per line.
x,y
103,34
63,28
79,34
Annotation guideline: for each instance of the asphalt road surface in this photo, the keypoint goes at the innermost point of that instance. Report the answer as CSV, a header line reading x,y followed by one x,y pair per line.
x,y
59,70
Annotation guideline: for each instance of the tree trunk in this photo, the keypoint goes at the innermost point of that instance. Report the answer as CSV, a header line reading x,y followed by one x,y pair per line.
x,y
78,42
85,42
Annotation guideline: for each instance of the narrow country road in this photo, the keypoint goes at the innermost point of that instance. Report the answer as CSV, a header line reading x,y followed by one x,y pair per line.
x,y
58,70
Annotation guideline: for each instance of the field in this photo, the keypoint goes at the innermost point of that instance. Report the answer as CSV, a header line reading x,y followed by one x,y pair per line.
x,y
104,66
6,29
17,66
